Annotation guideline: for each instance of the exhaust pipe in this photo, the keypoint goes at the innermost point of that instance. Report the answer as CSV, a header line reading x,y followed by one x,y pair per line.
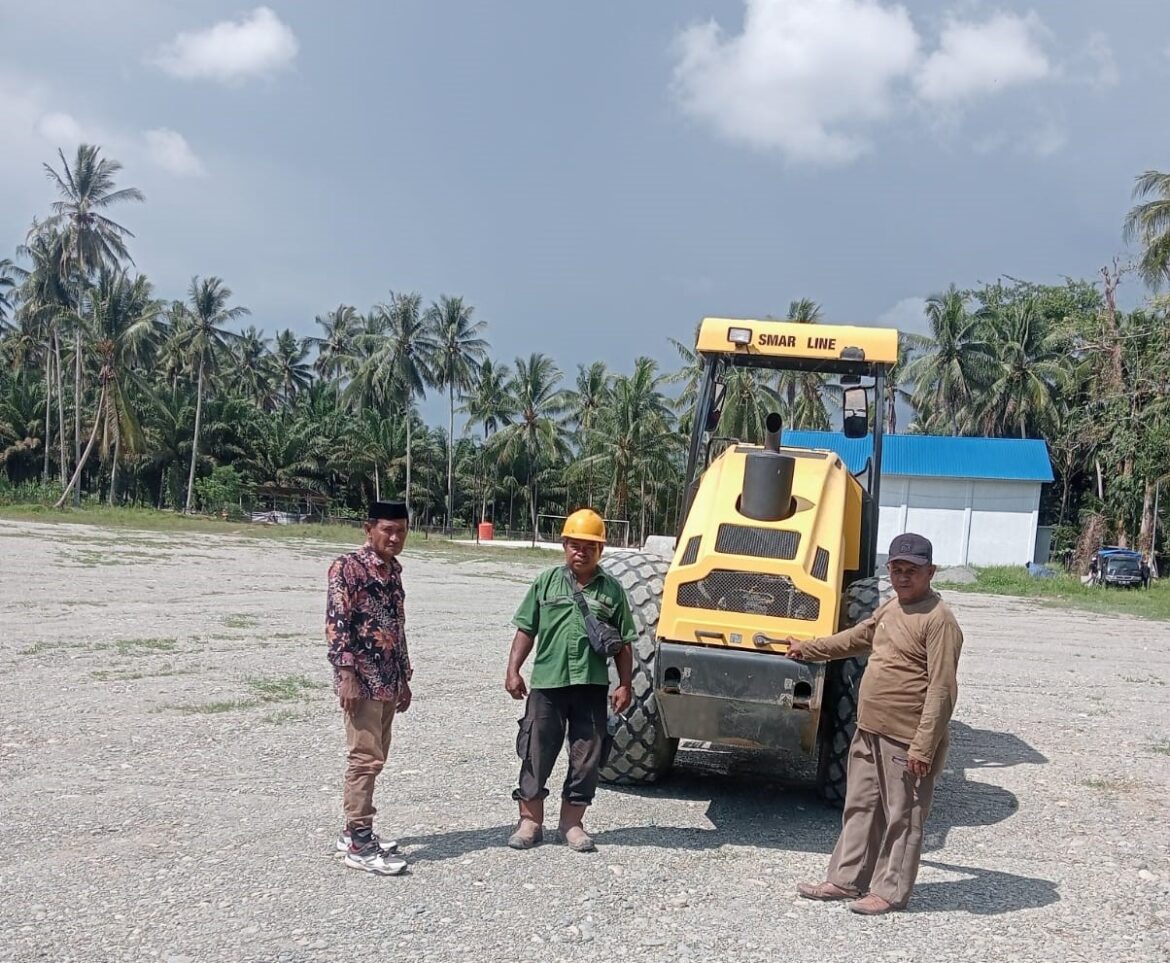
x,y
767,478
773,423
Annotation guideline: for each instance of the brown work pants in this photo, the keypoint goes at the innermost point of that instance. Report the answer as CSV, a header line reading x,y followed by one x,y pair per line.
x,y
367,743
881,830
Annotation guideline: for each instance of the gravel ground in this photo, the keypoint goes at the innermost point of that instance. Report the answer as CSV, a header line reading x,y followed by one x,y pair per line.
x,y
160,800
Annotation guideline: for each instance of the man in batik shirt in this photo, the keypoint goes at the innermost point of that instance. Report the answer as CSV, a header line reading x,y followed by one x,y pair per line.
x,y
365,624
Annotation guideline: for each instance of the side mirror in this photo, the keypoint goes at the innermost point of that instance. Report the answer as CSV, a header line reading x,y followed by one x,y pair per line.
x,y
855,412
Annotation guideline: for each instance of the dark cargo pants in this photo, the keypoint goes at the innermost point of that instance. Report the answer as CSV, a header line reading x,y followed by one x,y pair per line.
x,y
582,711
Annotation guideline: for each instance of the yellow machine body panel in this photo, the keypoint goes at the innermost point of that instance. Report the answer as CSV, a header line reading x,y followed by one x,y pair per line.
x,y
792,340
737,582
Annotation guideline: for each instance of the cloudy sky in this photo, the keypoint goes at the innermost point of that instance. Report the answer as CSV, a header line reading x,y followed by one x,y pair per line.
x,y
596,177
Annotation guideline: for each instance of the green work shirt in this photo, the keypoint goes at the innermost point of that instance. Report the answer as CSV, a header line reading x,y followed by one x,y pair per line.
x,y
549,613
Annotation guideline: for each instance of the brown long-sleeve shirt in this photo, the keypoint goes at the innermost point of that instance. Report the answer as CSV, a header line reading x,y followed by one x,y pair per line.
x,y
910,685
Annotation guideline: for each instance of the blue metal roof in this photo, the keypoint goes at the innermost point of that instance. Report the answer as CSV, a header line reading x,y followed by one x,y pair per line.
x,y
937,456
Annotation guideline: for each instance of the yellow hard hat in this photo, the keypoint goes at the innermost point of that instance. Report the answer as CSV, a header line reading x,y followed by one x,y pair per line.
x,y
585,525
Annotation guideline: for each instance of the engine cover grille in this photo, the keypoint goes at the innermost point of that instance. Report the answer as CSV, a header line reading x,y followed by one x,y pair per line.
x,y
750,593
757,542
820,567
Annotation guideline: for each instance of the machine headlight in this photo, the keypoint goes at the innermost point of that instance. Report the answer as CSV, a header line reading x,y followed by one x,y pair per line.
x,y
740,336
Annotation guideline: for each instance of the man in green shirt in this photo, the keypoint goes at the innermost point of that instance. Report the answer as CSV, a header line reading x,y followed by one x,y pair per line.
x,y
569,681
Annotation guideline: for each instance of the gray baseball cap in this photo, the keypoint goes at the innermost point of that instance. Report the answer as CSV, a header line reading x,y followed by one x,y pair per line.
x,y
911,548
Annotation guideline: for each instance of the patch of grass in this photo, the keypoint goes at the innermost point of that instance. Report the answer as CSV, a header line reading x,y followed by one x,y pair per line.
x,y
284,688
1067,591
39,648
275,689
122,518
153,520
1143,680
129,675
214,708
140,646
1161,748
281,717
240,620
1117,786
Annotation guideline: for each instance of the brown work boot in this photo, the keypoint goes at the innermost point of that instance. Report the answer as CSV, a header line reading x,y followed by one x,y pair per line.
x,y
530,830
825,892
871,905
570,828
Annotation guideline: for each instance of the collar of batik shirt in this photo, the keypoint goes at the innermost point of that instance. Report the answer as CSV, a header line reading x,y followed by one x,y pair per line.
x,y
376,565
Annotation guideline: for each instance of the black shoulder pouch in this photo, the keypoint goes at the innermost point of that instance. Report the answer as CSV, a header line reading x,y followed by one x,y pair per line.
x,y
603,637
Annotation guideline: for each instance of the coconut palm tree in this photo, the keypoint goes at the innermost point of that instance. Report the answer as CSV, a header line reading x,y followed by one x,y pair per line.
x,y
90,239
44,305
491,405
1149,224
123,323
633,437
536,436
126,329
1028,370
955,361
458,346
206,313
690,375
293,373
586,402
336,345
251,368
396,350
803,391
8,279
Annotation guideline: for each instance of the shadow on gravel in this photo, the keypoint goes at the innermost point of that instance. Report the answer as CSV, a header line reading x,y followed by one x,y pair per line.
x,y
984,892
960,801
767,800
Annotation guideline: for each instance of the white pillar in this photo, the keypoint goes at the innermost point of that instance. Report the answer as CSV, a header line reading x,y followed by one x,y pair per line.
x,y
965,541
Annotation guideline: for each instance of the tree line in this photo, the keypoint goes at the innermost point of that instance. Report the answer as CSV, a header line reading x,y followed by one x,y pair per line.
x,y
110,391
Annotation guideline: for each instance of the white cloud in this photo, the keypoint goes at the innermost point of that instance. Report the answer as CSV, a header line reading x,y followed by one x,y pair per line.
x,y
60,128
907,315
1048,139
807,77
169,150
975,59
231,50
1104,72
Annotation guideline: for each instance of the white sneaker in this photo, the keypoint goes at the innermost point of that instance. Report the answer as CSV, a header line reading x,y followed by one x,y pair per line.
x,y
345,839
373,860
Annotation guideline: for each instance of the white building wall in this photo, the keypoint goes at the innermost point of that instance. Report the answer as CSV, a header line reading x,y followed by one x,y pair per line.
x,y
969,520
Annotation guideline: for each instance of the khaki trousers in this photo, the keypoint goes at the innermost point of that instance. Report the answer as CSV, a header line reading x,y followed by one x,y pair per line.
x,y
881,829
367,742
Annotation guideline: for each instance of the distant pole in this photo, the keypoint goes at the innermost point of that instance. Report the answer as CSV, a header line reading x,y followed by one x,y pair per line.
x,y
1154,535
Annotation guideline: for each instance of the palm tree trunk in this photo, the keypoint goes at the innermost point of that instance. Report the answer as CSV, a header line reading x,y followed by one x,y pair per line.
x,y
642,520
533,498
60,409
48,409
408,433
72,486
451,458
195,439
114,466
377,484
77,397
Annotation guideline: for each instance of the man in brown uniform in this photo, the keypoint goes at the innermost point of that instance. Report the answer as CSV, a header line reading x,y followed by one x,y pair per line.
x,y
907,696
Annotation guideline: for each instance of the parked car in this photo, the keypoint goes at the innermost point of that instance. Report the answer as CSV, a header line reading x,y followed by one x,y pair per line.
x,y
1120,567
